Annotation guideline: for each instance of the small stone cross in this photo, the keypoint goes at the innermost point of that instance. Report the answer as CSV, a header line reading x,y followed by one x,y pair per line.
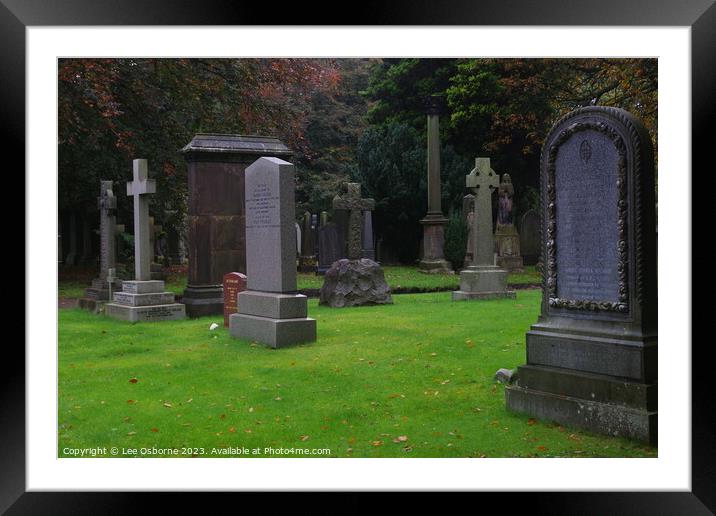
x,y
482,181
139,189
353,203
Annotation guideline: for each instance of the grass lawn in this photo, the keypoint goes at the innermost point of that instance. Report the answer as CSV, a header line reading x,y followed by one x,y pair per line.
x,y
396,276
413,379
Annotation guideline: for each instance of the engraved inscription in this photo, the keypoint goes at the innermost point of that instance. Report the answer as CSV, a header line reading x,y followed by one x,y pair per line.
x,y
262,207
586,214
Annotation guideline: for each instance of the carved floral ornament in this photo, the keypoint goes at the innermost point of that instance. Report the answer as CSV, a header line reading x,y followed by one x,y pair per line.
x,y
621,306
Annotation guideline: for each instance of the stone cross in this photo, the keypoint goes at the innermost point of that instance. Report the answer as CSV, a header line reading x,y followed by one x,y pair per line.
x,y
353,203
139,189
107,204
482,181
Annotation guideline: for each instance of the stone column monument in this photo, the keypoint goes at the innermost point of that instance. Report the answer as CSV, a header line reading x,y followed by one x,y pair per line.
x,y
482,279
143,299
215,216
433,260
270,310
592,354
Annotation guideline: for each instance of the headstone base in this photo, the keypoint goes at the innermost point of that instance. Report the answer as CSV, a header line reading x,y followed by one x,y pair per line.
x,y
278,320
483,282
433,260
144,301
511,263
203,301
277,333
599,403
435,267
93,305
152,313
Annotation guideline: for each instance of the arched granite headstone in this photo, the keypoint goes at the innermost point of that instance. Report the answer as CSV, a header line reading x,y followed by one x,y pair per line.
x,y
592,355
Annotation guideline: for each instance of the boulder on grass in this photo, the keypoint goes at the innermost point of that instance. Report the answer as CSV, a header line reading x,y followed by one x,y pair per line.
x,y
354,283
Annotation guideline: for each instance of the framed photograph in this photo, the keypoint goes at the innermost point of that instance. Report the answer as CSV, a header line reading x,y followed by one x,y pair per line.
x,y
75,73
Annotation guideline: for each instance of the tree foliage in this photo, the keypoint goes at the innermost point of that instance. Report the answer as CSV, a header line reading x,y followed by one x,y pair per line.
x,y
113,110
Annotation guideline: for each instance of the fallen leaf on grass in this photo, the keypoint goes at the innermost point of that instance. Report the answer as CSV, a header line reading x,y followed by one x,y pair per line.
x,y
130,401
542,448
531,421
377,443
155,430
133,380
167,404
232,430
304,437
131,433
400,439
278,398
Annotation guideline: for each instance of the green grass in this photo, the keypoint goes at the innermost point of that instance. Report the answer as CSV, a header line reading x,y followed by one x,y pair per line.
x,y
421,368
396,276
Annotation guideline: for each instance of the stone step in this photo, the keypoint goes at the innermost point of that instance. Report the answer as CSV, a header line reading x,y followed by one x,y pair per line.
x,y
129,299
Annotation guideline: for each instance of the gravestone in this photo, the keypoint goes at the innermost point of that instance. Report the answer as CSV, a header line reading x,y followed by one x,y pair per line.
x,y
507,240
270,310
530,237
154,265
234,282
307,262
482,279
368,246
297,226
330,247
99,291
468,211
143,299
433,259
71,258
354,205
592,354
354,281
216,236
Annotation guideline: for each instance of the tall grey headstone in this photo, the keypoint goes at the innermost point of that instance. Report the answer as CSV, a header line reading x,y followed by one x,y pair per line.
x,y
270,310
529,237
143,299
482,279
368,246
592,355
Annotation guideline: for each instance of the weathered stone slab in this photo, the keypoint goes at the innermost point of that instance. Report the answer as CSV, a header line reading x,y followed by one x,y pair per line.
x,y
483,282
154,313
606,418
128,298
143,287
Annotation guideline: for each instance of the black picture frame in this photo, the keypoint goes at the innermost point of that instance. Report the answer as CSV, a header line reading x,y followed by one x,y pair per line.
x,y
700,15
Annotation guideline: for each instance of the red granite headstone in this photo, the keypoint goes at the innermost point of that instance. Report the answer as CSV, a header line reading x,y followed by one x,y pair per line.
x,y
234,282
